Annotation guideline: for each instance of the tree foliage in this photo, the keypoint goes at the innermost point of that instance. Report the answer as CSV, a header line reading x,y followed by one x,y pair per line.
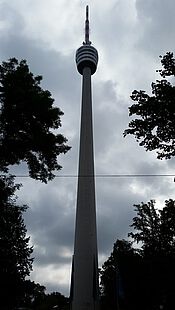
x,y
15,252
36,298
155,229
153,126
27,122
54,300
119,277
143,278
33,294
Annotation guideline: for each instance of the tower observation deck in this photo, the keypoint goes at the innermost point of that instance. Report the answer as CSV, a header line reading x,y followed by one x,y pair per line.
x,y
86,55
84,282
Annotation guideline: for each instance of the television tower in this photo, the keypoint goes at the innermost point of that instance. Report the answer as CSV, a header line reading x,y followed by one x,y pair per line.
x,y
84,282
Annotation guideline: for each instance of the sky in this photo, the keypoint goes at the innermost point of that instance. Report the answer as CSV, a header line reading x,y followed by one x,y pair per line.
x,y
129,36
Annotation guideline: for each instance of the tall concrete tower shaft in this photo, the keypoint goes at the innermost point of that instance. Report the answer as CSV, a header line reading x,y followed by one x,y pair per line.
x,y
84,286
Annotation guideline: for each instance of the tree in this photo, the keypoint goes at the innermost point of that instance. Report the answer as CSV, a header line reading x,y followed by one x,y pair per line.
x,y
54,300
33,294
15,252
120,278
155,229
35,297
143,278
153,126
27,121
147,226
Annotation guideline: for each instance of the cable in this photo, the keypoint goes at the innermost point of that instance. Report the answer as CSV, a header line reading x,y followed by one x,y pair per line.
x,y
105,175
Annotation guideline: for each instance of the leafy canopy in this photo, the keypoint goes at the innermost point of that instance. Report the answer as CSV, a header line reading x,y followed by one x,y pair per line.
x,y
143,278
154,125
15,251
155,229
27,122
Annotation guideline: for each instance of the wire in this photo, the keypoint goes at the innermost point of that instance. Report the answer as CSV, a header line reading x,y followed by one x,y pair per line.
x,y
105,175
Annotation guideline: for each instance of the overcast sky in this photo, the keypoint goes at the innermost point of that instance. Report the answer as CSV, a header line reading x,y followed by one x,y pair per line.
x,y
129,36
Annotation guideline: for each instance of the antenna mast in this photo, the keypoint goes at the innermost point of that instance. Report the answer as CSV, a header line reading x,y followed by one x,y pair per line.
x,y
87,27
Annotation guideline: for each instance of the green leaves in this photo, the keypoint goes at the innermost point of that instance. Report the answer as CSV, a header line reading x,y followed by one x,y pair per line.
x,y
142,278
15,252
155,229
27,122
154,127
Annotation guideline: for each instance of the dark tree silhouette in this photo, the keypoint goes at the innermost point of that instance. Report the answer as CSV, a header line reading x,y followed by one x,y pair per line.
x,y
15,252
54,300
35,297
143,278
155,229
154,125
27,121
120,278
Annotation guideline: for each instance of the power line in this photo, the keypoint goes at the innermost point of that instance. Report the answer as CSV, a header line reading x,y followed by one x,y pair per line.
x,y
104,175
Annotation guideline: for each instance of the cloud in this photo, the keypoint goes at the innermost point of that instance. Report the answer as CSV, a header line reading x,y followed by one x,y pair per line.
x,y
157,22
129,36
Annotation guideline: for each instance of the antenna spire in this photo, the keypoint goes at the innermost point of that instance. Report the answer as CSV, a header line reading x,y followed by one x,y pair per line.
x,y
87,26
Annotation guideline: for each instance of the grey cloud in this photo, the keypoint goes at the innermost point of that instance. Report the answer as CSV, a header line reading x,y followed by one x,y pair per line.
x,y
52,212
11,20
125,50
157,24
114,205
